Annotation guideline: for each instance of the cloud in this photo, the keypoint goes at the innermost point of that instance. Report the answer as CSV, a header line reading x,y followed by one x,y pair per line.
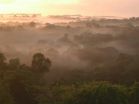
x,y
6,1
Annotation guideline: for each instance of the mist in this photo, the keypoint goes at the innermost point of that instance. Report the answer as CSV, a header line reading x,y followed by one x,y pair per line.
x,y
82,44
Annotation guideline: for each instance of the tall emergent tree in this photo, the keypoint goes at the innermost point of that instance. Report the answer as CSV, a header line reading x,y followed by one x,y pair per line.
x,y
40,63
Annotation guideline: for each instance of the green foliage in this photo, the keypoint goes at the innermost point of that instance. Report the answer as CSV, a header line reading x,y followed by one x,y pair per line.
x,y
101,93
106,94
18,82
134,94
22,84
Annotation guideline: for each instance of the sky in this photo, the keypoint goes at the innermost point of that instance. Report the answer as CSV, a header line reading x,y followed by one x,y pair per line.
x,y
121,8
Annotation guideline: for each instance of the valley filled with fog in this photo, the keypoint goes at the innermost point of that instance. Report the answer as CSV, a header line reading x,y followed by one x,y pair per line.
x,y
74,44
69,51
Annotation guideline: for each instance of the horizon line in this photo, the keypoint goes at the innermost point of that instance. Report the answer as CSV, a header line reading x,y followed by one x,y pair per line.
x,y
40,14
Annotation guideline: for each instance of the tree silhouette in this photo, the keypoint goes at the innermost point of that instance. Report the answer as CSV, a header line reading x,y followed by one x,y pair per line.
x,y
2,58
14,63
40,63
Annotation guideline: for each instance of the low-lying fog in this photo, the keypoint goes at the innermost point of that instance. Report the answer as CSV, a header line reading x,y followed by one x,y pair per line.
x,y
73,45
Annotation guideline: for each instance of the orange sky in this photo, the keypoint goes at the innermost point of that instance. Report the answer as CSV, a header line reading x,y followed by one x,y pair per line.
x,y
121,8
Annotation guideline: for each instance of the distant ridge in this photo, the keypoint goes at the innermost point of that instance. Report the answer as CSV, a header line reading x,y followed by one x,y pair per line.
x,y
109,17
78,16
20,15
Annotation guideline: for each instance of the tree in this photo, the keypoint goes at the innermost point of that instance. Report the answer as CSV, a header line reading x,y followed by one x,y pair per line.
x,y
3,65
5,96
100,94
40,63
134,94
2,58
14,63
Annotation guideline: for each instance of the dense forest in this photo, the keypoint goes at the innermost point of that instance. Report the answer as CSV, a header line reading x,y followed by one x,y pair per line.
x,y
23,84
92,61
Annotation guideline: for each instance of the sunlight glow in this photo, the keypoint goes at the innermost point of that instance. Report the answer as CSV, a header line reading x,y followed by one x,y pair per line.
x,y
31,6
60,7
